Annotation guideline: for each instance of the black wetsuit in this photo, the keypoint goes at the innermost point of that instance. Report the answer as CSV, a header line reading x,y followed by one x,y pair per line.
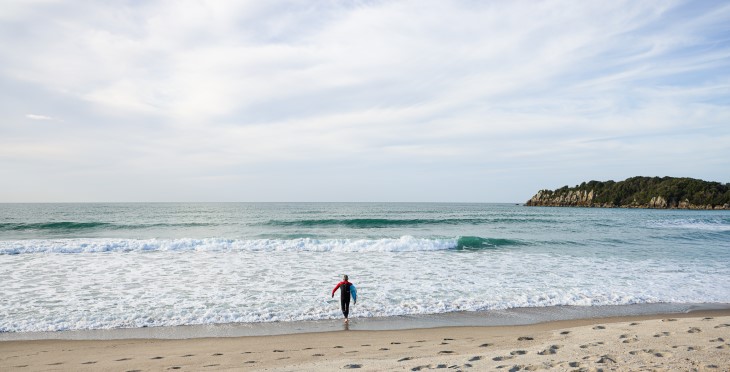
x,y
346,290
345,299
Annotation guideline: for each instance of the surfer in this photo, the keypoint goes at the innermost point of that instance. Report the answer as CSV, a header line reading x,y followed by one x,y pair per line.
x,y
346,289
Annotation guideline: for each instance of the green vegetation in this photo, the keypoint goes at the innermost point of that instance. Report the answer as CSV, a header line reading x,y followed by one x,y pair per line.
x,y
640,190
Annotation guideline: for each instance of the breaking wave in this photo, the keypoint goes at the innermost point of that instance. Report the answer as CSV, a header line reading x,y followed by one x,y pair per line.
x,y
402,244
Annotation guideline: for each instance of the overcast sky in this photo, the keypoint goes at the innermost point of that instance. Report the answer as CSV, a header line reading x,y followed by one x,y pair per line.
x,y
484,101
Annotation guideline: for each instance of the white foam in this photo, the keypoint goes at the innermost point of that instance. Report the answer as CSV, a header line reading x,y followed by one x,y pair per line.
x,y
208,282
69,246
713,224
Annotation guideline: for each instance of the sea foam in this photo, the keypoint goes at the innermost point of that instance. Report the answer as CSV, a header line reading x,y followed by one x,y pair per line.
x,y
402,244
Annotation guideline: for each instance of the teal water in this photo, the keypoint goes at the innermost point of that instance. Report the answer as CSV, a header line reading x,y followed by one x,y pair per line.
x,y
89,266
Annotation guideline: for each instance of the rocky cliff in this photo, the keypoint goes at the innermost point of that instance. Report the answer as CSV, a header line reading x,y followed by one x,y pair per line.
x,y
639,192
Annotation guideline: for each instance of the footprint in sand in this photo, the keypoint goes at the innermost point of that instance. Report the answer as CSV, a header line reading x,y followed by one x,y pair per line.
x,y
485,345
663,334
591,345
525,338
217,354
157,357
317,354
55,364
518,352
448,339
384,349
187,355
446,352
211,365
475,358
659,353
88,363
521,367
123,359
414,346
669,320
336,347
694,330
444,343
606,359
404,359
656,353
634,324
501,358
352,366
281,351
708,318
719,339
250,362
722,326
395,343
428,366
175,367
565,332
599,327
552,350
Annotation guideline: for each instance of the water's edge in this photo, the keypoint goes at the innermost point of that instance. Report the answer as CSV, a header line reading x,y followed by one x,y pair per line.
x,y
511,317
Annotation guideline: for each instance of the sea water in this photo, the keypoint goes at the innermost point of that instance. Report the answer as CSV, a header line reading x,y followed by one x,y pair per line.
x,y
104,266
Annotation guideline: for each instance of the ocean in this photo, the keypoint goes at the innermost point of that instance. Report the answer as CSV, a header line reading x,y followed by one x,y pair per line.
x,y
108,266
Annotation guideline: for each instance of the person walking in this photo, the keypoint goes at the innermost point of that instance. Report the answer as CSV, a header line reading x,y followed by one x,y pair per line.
x,y
347,289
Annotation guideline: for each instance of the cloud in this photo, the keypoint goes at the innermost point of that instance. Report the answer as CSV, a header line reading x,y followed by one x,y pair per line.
x,y
38,117
260,91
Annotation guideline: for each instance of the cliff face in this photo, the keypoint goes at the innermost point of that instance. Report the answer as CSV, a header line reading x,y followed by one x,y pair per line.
x,y
639,192
577,198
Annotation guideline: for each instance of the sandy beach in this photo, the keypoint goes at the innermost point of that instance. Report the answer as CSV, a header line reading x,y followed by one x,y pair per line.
x,y
697,341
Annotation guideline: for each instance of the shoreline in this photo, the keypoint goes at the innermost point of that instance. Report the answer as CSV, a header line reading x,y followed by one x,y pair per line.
x,y
491,318
694,340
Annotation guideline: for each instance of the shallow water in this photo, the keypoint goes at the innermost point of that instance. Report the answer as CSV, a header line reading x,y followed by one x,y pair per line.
x,y
101,266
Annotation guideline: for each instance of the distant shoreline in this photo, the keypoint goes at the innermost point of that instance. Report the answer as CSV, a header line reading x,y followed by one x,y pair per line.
x,y
639,193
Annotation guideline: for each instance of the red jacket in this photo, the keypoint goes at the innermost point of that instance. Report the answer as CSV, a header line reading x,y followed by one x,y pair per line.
x,y
352,290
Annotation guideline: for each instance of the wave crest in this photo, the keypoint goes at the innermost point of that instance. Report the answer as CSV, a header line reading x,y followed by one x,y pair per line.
x,y
69,226
402,244
708,224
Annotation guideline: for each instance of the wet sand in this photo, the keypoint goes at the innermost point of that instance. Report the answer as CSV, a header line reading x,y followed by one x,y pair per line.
x,y
693,341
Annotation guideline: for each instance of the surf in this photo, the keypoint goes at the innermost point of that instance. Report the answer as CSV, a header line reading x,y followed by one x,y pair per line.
x,y
401,244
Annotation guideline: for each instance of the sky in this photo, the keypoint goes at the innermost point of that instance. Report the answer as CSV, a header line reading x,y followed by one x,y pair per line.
x,y
394,101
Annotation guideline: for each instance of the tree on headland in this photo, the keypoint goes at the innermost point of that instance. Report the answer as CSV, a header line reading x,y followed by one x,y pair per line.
x,y
640,192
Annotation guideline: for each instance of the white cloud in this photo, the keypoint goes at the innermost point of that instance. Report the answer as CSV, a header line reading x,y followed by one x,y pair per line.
x,y
38,117
189,88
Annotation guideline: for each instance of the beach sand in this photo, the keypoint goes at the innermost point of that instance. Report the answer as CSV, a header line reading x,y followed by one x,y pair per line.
x,y
698,341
